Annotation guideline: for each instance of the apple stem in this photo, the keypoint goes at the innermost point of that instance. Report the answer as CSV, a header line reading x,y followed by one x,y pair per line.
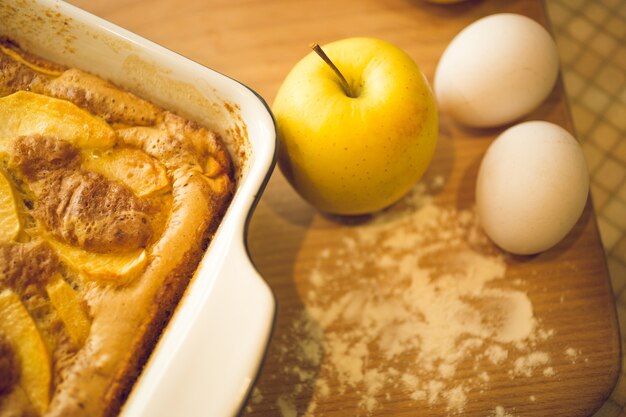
x,y
346,87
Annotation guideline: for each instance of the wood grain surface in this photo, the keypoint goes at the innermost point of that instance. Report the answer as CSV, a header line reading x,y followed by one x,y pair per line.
x,y
257,42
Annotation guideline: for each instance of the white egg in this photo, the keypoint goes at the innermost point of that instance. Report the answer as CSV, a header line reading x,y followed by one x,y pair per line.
x,y
532,187
496,70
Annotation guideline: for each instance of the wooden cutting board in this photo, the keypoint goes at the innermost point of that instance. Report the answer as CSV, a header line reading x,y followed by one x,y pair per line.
x,y
566,366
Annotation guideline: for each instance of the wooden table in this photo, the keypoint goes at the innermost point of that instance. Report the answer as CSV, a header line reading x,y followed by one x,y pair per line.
x,y
257,42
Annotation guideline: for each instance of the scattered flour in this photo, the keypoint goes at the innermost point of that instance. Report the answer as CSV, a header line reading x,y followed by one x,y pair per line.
x,y
526,365
573,354
425,298
496,354
501,412
286,406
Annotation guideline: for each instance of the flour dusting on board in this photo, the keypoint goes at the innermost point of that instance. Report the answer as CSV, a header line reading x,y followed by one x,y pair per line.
x,y
427,298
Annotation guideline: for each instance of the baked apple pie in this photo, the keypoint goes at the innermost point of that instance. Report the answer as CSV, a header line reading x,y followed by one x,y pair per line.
x,y
107,203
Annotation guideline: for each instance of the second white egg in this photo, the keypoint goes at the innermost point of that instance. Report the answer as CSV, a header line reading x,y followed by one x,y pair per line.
x,y
532,187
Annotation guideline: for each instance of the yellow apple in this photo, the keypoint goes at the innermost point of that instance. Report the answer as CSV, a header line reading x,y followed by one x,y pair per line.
x,y
33,65
119,268
139,171
24,113
35,365
9,219
360,151
70,308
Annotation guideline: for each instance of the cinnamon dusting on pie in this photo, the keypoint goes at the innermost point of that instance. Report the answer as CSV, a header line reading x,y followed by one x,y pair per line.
x,y
9,371
80,207
26,267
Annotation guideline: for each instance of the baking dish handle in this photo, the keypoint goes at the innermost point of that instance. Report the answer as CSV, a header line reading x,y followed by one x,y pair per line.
x,y
226,318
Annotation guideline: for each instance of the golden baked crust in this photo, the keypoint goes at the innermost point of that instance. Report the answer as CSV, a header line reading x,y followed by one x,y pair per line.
x,y
108,204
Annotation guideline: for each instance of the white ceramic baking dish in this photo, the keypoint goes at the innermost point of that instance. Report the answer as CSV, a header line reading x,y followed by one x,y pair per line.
x,y
210,353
